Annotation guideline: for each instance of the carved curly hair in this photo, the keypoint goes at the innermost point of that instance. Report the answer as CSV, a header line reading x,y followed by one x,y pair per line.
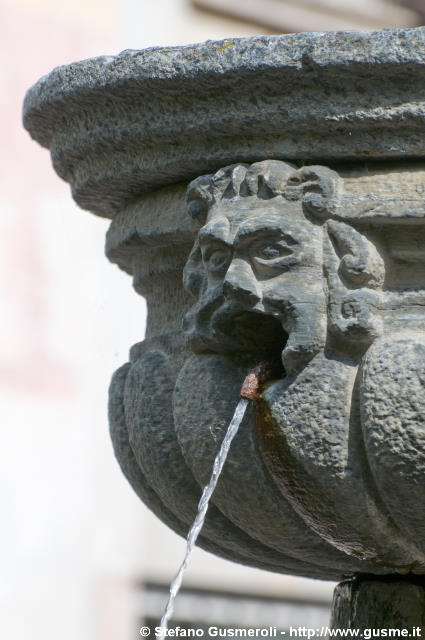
x,y
317,186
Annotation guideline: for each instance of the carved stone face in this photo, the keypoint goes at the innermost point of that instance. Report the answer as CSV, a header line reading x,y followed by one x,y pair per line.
x,y
276,271
262,268
324,478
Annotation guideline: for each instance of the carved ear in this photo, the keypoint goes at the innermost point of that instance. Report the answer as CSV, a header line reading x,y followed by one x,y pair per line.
x,y
318,187
356,273
193,272
200,197
360,263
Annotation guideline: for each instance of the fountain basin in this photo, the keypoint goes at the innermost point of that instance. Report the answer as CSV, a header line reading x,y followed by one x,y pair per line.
x,y
300,239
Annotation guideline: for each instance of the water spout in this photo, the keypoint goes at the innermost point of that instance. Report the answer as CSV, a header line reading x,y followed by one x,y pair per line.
x,y
249,391
202,510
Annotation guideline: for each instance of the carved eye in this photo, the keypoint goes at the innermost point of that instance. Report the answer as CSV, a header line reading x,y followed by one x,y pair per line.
x,y
272,251
216,258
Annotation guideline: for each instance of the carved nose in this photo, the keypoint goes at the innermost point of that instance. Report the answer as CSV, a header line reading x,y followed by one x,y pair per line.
x,y
240,284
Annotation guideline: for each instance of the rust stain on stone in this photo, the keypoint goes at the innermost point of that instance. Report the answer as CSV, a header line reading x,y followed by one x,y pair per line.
x,y
253,384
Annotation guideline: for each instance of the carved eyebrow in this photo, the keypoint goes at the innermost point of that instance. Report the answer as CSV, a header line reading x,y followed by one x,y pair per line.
x,y
249,233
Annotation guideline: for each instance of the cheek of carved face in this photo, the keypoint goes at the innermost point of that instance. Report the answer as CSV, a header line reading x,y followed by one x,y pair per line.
x,y
262,262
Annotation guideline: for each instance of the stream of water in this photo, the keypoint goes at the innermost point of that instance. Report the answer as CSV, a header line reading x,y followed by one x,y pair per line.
x,y
197,525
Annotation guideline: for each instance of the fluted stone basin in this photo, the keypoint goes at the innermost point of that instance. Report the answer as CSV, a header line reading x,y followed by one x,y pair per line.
x,y
267,196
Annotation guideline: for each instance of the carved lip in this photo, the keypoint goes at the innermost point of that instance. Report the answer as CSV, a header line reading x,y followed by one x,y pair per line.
x,y
256,333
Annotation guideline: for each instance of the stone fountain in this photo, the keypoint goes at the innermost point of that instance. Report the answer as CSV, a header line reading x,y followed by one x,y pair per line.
x,y
267,196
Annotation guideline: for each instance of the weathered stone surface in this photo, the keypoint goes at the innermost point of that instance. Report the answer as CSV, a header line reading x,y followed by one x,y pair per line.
x,y
372,605
282,269
281,272
313,264
121,126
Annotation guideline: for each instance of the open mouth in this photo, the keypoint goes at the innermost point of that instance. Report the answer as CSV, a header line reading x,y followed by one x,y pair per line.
x,y
258,336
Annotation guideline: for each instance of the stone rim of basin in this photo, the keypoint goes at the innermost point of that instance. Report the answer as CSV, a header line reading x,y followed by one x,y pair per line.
x,y
121,126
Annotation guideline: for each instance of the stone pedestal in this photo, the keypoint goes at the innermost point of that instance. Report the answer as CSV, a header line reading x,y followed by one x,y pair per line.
x,y
267,196
394,608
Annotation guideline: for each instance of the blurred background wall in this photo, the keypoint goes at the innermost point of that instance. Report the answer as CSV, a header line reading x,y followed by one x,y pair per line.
x,y
82,558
